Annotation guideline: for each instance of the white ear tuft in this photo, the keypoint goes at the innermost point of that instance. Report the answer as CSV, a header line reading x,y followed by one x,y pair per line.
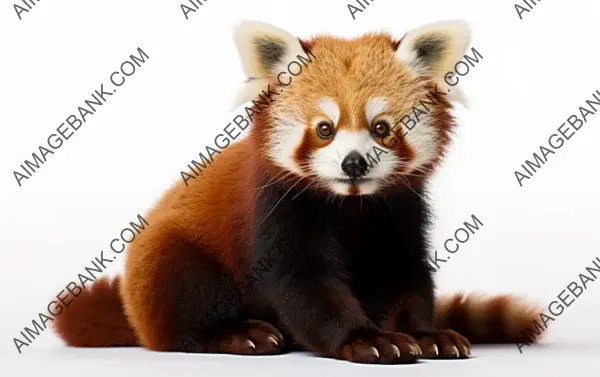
x,y
434,49
265,50
249,90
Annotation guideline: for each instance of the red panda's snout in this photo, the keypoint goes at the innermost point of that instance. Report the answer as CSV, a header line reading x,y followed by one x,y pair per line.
x,y
353,163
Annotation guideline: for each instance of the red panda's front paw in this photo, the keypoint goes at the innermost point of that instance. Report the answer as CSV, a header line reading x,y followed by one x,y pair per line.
x,y
381,348
250,337
444,344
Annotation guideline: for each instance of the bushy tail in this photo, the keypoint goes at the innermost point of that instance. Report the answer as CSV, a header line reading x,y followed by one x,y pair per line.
x,y
95,318
496,319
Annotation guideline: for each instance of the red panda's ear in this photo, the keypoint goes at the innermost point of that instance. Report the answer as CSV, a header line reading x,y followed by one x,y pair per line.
x,y
434,49
265,50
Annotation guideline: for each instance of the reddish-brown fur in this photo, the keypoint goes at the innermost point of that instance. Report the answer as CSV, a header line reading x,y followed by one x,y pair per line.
x,y
213,218
206,212
95,318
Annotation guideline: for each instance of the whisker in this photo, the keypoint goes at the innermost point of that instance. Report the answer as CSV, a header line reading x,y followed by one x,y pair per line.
x,y
328,196
304,189
279,201
411,189
342,201
272,183
271,180
384,198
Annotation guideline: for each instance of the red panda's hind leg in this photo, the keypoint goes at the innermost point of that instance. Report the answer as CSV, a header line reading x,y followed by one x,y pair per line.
x,y
179,298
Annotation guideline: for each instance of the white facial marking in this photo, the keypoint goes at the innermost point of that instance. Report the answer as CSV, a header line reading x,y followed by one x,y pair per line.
x,y
285,138
330,108
326,162
422,139
374,107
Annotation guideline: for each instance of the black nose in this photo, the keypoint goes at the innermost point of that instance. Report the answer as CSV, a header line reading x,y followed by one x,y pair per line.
x,y
354,165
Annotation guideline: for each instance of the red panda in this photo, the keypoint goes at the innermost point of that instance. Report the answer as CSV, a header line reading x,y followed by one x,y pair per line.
x,y
291,240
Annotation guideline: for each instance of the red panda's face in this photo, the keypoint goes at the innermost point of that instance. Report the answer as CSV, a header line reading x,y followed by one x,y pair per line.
x,y
342,122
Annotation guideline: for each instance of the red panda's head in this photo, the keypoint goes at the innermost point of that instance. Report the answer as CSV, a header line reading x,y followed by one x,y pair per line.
x,y
339,117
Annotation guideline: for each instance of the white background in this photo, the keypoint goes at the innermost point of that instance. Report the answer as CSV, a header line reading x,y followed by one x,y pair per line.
x,y
535,239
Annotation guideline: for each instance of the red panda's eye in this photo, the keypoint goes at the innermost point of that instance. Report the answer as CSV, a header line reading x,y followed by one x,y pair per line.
x,y
324,130
381,128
